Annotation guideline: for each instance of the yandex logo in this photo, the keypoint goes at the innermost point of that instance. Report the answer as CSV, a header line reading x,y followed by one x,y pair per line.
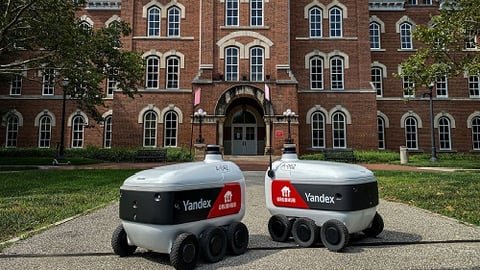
x,y
228,202
284,194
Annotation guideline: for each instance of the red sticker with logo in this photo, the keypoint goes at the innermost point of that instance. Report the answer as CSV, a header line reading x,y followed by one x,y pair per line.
x,y
228,202
284,194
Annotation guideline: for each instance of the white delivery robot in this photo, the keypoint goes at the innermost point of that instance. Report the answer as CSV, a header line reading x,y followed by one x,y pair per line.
x,y
312,200
184,210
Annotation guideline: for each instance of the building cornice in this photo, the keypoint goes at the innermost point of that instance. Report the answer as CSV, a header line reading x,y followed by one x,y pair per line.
x,y
104,4
386,5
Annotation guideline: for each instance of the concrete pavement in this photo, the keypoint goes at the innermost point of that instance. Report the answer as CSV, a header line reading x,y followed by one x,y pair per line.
x,y
412,239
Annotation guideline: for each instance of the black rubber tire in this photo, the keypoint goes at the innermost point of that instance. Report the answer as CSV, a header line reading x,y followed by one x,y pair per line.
x,y
237,235
213,243
305,232
334,235
185,252
376,228
279,228
120,244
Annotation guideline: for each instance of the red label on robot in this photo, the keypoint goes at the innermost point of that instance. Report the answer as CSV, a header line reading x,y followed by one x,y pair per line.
x,y
228,202
284,194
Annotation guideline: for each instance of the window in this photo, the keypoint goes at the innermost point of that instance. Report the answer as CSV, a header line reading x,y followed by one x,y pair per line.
x,y
374,35
78,124
173,70
406,36
13,123
16,86
231,12
377,80
316,72
381,132
408,87
256,64
231,64
256,12
318,130
427,2
442,87
339,130
150,129
411,139
173,22
86,26
476,133
474,86
471,37
171,129
48,82
45,132
153,22
315,17
107,132
335,22
412,2
111,82
152,72
336,73
444,133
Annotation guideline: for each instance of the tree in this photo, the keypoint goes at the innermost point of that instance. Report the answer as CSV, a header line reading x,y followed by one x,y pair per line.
x,y
46,34
450,42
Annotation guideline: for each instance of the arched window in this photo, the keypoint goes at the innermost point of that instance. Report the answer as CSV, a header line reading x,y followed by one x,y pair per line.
x,y
173,72
12,131
444,133
339,130
411,135
316,72
406,36
377,80
476,133
231,64
153,22
150,129
256,64
335,15
318,130
173,22
153,64
107,132
315,18
78,124
375,31
381,132
45,132
336,73
171,129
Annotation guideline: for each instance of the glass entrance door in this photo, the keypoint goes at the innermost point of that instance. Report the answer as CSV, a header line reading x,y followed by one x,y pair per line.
x,y
244,139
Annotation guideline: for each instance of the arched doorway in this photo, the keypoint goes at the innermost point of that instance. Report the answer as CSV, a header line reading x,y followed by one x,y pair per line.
x,y
244,133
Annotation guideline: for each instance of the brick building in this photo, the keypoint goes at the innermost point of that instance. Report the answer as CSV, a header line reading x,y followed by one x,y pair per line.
x,y
331,62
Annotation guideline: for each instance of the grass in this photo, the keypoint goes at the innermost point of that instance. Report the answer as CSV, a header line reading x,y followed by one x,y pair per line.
x,y
30,200
455,195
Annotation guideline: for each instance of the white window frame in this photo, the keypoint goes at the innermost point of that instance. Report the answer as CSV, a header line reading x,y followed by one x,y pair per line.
x,y
78,130
318,126
339,130
375,35
154,19
377,79
256,13
337,73
315,17
232,64
336,22
173,72
16,85
107,132
411,133
444,133
45,132
170,126
150,129
232,12
257,55
152,80
442,87
173,23
406,42
316,73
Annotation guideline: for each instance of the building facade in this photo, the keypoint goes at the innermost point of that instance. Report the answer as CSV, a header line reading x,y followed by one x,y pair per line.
x,y
246,63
